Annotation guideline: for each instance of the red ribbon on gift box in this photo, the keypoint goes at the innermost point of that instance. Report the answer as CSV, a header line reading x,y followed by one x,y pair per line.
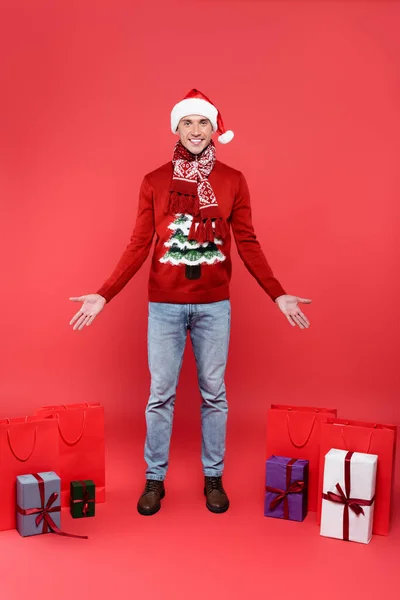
x,y
291,488
85,500
354,504
43,513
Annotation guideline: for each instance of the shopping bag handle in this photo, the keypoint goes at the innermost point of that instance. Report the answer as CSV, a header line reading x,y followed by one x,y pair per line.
x,y
12,449
347,446
308,436
72,442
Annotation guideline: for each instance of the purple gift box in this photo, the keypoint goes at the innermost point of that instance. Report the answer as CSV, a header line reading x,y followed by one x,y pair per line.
x,y
286,492
38,503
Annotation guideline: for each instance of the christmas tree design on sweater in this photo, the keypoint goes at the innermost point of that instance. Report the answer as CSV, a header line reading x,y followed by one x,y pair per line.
x,y
182,251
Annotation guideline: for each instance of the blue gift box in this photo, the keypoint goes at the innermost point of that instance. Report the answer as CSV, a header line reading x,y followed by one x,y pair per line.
x,y
38,503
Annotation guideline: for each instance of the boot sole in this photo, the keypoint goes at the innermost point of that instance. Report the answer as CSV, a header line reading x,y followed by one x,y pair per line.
x,y
217,510
146,513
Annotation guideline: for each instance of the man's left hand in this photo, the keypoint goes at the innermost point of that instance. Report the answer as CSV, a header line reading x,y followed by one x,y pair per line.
x,y
289,306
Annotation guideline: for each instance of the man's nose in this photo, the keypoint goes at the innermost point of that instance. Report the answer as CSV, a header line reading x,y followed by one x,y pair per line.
x,y
196,130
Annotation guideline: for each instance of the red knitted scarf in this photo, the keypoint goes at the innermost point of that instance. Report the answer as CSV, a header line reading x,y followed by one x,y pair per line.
x,y
191,193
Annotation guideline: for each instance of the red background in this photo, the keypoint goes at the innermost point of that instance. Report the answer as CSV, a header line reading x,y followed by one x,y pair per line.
x,y
311,90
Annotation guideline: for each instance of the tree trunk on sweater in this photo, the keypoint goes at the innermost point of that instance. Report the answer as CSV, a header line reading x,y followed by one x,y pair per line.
x,y
193,271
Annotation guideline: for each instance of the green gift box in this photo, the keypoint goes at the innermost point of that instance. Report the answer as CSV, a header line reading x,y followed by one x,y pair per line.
x,y
82,498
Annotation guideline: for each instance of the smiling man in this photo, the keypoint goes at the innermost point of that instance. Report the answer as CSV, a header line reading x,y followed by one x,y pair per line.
x,y
193,204
196,133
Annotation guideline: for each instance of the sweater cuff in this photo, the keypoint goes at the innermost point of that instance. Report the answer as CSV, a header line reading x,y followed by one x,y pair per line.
x,y
275,290
107,295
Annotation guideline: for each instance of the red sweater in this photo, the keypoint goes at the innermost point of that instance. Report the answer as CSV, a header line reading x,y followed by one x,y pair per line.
x,y
169,280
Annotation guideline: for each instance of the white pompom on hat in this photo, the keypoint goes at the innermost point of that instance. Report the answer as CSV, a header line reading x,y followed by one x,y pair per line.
x,y
196,103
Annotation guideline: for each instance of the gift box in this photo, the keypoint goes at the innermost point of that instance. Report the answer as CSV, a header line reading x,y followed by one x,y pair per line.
x,y
82,498
286,490
348,495
38,503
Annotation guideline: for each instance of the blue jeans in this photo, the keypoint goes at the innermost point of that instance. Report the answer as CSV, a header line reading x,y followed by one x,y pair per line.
x,y
209,327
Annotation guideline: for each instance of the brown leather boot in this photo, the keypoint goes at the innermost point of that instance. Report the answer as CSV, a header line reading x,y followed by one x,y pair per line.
x,y
149,502
217,500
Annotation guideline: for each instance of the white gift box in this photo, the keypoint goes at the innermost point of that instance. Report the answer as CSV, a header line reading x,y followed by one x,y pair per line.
x,y
362,470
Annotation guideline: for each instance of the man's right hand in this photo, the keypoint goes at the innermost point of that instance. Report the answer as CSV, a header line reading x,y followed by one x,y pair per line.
x,y
92,305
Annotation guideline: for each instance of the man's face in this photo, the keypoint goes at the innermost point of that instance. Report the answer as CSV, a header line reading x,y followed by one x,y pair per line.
x,y
195,133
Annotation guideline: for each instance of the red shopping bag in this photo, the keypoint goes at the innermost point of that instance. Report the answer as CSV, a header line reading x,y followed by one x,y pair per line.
x,y
27,445
81,445
295,432
370,438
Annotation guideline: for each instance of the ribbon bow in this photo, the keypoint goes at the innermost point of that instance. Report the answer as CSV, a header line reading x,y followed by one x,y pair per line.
x,y
85,506
295,488
355,504
43,513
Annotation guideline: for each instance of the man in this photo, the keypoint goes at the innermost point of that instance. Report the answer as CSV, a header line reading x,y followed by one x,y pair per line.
x,y
192,204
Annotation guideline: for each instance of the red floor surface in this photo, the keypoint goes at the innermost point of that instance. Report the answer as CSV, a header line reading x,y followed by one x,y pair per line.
x,y
186,552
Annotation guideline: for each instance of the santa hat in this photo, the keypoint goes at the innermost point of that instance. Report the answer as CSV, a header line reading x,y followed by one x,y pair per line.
x,y
196,103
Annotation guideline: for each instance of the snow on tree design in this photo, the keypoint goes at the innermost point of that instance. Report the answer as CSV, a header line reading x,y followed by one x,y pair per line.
x,y
182,251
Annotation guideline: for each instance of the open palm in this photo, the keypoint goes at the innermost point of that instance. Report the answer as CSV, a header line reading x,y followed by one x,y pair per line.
x,y
289,305
92,305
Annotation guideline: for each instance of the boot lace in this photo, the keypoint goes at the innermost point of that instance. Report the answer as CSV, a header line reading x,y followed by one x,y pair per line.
x,y
152,485
215,483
